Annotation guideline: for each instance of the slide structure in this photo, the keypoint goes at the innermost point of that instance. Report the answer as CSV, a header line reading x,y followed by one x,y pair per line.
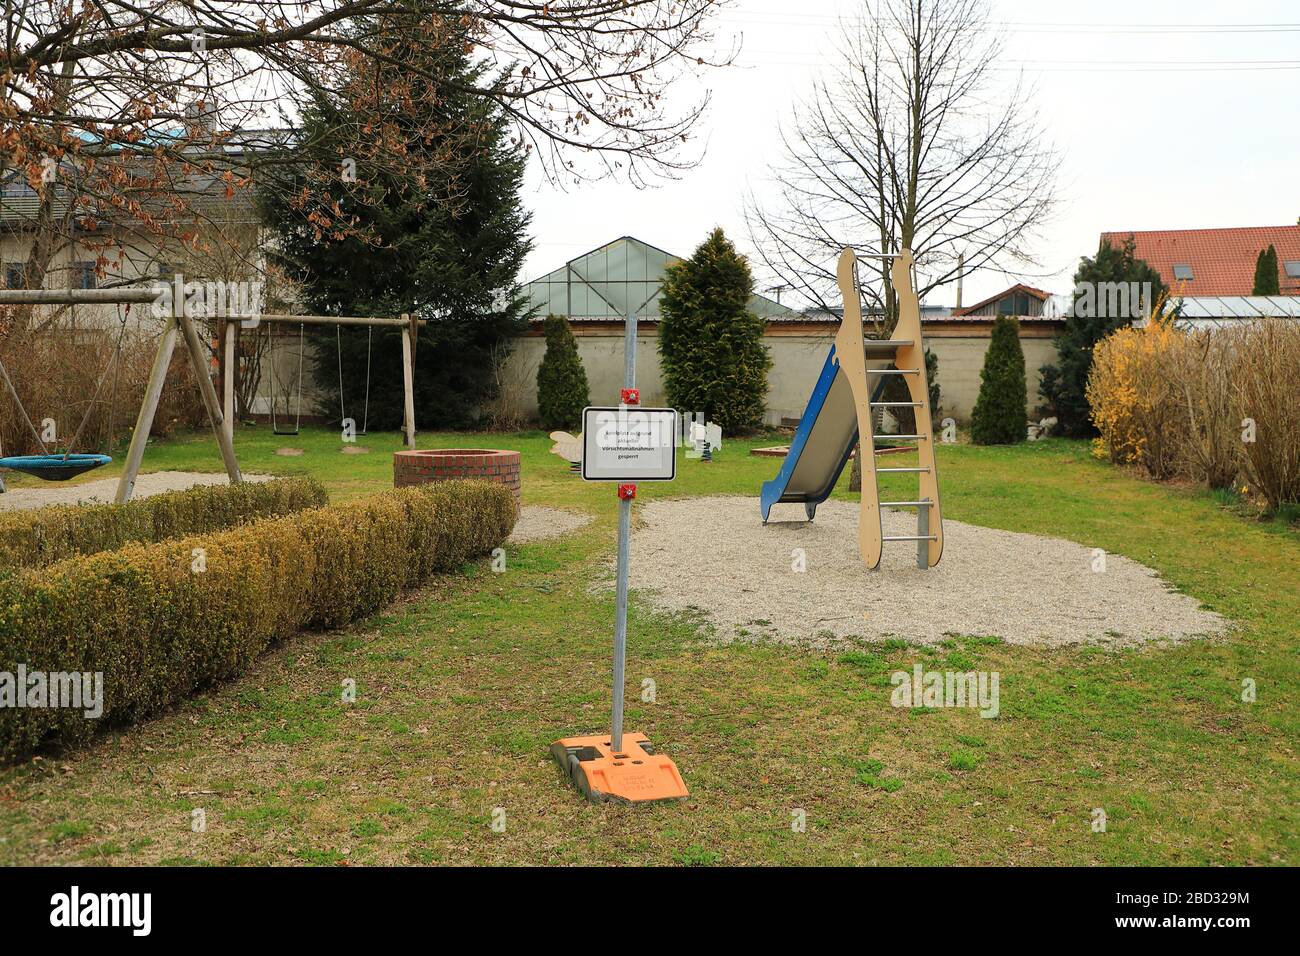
x,y
841,408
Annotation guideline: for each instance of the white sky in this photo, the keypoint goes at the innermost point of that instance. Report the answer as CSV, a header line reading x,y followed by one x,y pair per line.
x,y
1197,145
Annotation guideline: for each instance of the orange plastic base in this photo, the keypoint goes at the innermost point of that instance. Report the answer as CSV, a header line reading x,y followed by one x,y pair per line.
x,y
636,774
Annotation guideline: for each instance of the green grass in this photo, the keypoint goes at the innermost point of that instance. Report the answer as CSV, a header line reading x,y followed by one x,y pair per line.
x,y
461,687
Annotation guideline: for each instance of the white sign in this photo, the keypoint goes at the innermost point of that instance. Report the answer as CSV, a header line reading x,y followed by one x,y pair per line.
x,y
629,443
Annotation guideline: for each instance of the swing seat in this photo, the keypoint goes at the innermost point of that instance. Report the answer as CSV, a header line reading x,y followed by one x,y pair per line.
x,y
54,467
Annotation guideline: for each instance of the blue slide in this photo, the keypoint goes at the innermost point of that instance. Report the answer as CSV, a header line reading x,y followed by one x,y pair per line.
x,y
822,443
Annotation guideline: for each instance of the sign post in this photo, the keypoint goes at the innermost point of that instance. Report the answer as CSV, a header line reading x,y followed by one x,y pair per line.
x,y
624,444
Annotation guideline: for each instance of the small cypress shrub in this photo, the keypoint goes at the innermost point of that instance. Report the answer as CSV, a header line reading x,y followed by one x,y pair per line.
x,y
710,344
999,415
562,391
1267,281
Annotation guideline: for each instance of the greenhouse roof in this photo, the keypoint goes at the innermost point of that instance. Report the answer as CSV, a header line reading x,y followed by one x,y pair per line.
x,y
606,283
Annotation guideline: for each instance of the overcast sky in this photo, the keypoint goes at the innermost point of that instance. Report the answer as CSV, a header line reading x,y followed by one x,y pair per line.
x,y
1169,114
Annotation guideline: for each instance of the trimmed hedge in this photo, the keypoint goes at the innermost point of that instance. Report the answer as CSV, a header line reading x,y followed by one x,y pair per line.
x,y
159,632
33,539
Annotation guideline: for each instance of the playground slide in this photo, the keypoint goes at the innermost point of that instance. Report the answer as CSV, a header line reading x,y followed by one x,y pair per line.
x,y
824,439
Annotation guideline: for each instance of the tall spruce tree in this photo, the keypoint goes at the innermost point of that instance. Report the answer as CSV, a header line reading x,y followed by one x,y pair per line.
x,y
562,391
1063,385
447,251
1267,280
999,414
710,344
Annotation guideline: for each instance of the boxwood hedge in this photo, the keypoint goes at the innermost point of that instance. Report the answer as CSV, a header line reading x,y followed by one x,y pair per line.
x,y
32,539
164,620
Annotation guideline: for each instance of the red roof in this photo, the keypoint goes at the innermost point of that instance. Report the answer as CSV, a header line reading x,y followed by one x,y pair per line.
x,y
1222,260
1038,294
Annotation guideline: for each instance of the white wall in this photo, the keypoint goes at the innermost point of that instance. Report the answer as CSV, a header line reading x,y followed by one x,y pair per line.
x,y
796,362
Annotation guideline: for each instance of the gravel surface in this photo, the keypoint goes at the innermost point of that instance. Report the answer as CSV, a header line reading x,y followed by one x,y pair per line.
x,y
536,523
715,555
103,490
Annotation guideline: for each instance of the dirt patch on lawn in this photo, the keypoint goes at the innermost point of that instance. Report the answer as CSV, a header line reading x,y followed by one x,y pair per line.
x,y
715,555
104,490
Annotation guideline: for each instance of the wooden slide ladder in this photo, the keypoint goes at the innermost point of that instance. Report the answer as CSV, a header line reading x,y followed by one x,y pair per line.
x,y
907,349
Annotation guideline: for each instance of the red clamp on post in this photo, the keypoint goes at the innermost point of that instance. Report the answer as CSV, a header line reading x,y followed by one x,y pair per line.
x,y
630,396
626,492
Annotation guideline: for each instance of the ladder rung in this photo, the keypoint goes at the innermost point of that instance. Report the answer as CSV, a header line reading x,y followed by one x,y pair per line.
x,y
892,371
900,437
907,504
886,345
912,537
901,470
895,404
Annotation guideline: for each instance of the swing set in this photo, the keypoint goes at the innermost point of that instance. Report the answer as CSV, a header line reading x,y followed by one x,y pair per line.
x,y
297,414
61,466
408,323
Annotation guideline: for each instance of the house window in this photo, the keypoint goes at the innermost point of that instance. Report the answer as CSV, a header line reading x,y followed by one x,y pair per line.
x,y
17,188
1293,269
1183,273
83,276
14,276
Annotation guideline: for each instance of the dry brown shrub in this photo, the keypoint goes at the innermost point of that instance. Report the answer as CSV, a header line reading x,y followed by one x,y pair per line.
x,y
70,377
1211,452
1265,373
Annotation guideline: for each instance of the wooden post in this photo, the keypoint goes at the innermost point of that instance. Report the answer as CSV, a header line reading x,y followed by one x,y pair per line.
x,y
231,359
408,380
144,421
199,359
853,366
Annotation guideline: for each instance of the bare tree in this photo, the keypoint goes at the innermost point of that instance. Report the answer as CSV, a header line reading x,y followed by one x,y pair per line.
x,y
908,143
121,120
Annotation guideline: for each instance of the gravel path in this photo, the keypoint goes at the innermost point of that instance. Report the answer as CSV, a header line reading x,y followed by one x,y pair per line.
x,y
56,493
536,523
715,555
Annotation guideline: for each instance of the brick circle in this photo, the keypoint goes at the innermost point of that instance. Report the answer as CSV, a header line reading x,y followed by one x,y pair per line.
x,y
447,464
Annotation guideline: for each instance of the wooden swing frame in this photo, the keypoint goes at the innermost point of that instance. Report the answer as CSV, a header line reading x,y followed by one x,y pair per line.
x,y
180,325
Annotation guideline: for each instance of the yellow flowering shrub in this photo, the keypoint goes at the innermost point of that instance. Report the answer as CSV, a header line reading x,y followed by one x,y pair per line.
x,y
1134,393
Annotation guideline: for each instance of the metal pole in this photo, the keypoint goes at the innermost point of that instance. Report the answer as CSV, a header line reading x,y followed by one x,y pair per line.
x,y
624,543
620,620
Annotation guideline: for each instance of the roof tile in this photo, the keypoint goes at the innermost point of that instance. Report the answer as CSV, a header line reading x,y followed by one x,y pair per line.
x,y
1222,260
